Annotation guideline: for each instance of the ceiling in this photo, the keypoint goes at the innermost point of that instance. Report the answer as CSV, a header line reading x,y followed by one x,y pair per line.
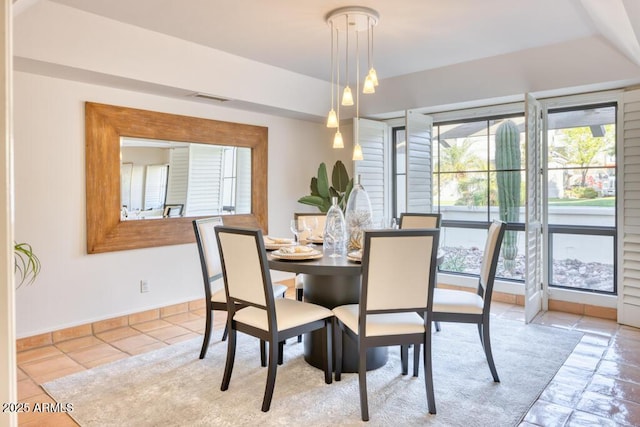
x,y
412,35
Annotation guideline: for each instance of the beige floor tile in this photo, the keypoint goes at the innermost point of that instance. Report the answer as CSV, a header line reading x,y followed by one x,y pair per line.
x,y
584,419
78,343
558,319
597,326
117,334
51,420
628,332
164,334
93,363
185,337
130,344
49,369
34,415
562,394
86,355
21,375
619,371
38,354
28,388
152,325
547,414
615,388
183,317
620,411
147,348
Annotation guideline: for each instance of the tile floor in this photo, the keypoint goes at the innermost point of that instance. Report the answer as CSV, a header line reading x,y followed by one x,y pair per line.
x,y
599,384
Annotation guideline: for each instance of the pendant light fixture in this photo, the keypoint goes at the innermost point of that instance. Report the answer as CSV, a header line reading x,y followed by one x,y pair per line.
x,y
354,20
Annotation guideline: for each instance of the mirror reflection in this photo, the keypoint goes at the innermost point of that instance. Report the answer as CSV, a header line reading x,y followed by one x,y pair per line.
x,y
167,179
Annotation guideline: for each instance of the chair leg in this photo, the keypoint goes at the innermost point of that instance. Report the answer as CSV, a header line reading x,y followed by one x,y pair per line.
x,y
337,342
437,326
280,352
404,356
362,376
271,376
231,355
224,333
299,298
263,353
207,334
486,342
327,356
428,374
416,359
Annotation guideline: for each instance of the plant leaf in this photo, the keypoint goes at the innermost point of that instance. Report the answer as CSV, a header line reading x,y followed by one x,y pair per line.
x,y
339,177
316,201
314,187
323,181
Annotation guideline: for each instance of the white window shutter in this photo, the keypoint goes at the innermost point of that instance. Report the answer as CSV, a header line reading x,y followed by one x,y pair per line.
x,y
629,212
419,162
374,167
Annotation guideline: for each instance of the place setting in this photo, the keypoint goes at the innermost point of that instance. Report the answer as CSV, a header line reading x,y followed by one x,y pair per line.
x,y
275,243
297,253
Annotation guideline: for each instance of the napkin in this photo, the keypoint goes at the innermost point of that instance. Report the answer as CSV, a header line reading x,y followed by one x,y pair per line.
x,y
297,250
276,240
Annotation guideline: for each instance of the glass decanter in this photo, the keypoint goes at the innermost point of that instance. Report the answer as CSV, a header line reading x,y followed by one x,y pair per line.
x,y
358,216
335,231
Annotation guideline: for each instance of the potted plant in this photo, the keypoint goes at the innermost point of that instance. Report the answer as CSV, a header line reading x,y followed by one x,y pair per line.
x,y
322,192
27,264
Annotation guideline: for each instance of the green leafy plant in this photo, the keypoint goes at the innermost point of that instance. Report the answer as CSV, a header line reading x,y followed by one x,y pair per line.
x,y
27,264
322,192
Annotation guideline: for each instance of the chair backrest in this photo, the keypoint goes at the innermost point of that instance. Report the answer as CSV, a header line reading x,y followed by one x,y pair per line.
x,y
398,271
204,230
490,259
244,266
319,228
419,220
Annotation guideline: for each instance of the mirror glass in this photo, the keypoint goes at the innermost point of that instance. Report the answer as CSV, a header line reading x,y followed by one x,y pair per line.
x,y
120,172
169,179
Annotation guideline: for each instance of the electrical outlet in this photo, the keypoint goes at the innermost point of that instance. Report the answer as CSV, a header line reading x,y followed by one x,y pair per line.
x,y
144,286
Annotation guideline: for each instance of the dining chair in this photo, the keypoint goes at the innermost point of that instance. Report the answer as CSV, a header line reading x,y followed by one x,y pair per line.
x,y
398,278
212,272
253,310
417,220
318,231
466,307
420,220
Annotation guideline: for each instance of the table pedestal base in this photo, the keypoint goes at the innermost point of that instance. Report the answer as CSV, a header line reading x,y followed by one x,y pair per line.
x,y
331,292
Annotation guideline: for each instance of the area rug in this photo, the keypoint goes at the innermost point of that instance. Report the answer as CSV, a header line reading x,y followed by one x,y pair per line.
x,y
172,387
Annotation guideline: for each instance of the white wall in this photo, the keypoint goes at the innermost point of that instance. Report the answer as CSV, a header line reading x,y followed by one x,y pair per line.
x,y
76,288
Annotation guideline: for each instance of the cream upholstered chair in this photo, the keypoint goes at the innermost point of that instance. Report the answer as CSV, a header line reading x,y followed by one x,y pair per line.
x,y
417,220
318,231
248,283
466,307
420,220
211,272
398,277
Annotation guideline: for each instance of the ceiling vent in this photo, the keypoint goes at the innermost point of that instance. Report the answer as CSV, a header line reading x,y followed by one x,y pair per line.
x,y
209,97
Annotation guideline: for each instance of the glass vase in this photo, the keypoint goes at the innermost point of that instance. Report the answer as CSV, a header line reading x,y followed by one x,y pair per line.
x,y
358,216
335,231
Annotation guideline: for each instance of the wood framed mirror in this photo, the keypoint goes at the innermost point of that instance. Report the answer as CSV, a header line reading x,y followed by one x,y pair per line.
x,y
105,125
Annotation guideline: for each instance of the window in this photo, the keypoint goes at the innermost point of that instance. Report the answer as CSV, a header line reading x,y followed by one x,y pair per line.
x,y
581,188
479,175
478,178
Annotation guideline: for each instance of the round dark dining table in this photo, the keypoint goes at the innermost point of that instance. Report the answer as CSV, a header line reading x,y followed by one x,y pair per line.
x,y
331,282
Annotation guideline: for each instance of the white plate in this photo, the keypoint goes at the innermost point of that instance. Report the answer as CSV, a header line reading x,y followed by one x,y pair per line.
x,y
297,256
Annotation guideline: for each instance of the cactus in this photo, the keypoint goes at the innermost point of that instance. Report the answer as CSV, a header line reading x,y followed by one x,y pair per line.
x,y
321,191
507,158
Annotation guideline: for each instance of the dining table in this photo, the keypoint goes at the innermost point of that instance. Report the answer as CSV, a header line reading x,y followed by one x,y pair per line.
x,y
330,282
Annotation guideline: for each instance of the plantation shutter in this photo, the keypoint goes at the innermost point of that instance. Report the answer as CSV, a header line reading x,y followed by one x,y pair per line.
x,y
629,213
419,164
205,173
533,210
373,169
